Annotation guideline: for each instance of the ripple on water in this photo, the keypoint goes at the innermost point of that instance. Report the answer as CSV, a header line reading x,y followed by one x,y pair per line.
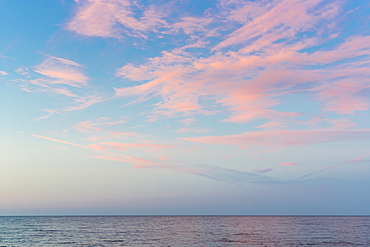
x,y
184,231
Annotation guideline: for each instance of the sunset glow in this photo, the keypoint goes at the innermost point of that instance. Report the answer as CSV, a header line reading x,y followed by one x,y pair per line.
x,y
185,107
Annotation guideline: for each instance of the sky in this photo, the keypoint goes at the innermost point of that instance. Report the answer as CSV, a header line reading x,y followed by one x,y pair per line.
x,y
145,107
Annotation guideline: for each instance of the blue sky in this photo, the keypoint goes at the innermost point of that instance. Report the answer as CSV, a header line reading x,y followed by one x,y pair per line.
x,y
184,107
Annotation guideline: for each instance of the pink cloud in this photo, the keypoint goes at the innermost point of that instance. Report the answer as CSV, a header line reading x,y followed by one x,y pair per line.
x,y
192,25
127,159
62,71
234,80
167,73
89,126
359,159
246,85
51,112
95,18
283,20
113,151
336,123
22,71
341,96
188,121
282,138
97,147
192,130
125,146
60,141
353,47
162,158
110,18
181,94
61,76
62,91
288,163
47,86
85,102
100,128
245,11
64,61
342,123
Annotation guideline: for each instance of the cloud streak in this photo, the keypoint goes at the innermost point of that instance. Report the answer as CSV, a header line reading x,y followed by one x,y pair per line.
x,y
215,173
284,138
357,159
60,141
62,71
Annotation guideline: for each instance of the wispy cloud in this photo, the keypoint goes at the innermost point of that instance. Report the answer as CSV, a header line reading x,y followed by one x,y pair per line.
x,y
341,123
100,129
269,57
60,141
188,121
64,61
55,76
283,138
84,102
151,147
50,113
250,86
244,61
193,26
111,18
262,171
215,173
62,71
280,20
22,71
126,159
288,163
192,130
357,159
207,171
88,126
60,76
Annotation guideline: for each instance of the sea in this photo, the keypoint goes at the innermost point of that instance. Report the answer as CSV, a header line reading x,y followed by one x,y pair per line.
x,y
185,231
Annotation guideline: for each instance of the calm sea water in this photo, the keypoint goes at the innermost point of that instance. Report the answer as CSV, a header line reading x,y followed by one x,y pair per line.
x,y
185,231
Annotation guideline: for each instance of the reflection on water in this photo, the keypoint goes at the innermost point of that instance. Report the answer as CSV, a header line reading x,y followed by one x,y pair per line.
x,y
185,231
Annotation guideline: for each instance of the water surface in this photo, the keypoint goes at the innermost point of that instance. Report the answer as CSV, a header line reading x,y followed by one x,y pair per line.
x,y
185,231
